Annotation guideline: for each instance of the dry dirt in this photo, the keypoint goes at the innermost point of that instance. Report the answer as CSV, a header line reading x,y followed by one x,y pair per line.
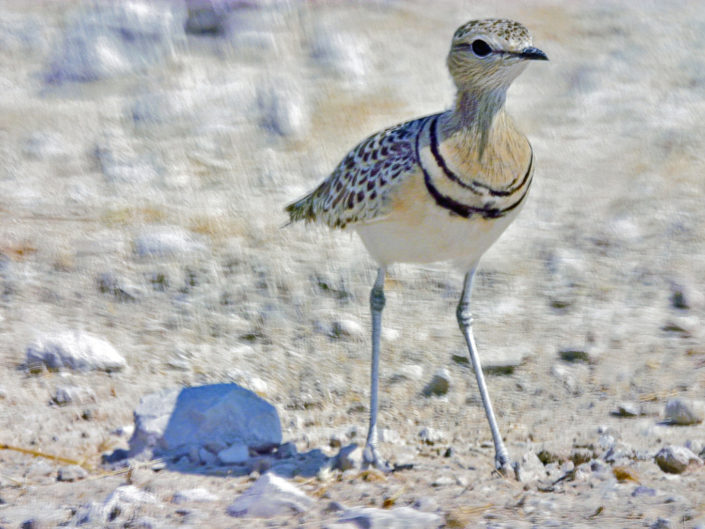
x,y
613,228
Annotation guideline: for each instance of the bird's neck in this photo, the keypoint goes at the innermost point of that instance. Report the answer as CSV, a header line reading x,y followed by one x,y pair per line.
x,y
475,116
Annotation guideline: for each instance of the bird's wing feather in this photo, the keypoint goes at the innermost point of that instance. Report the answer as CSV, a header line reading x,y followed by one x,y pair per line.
x,y
359,188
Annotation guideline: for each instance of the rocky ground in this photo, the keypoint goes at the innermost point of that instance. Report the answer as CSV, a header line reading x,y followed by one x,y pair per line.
x,y
147,154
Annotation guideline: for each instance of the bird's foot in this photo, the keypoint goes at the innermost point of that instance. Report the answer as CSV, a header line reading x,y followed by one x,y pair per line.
x,y
506,467
372,459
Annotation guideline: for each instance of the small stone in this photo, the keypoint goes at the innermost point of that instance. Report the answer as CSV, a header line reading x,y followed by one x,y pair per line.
x,y
119,289
74,350
64,395
676,459
349,457
627,409
199,495
531,468
661,523
206,457
237,453
443,481
270,496
426,504
439,384
398,518
283,109
71,473
286,451
683,412
431,436
347,329
164,241
642,490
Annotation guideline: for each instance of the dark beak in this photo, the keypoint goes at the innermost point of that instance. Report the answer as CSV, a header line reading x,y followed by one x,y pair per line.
x,y
533,54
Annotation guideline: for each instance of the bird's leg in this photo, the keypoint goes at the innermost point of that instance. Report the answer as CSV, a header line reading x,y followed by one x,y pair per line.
x,y
370,455
502,460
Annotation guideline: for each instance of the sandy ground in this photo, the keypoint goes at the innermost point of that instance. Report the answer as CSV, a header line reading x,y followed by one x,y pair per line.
x,y
217,133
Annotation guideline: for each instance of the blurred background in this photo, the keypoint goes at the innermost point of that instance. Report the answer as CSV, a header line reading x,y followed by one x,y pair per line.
x,y
148,148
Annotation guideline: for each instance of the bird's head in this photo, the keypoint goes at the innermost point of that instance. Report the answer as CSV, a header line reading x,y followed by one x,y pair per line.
x,y
489,54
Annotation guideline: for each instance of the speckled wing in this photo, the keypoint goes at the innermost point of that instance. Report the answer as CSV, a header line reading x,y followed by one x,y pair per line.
x,y
359,188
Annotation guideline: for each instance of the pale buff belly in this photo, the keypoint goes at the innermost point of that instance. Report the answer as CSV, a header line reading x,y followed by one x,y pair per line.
x,y
431,234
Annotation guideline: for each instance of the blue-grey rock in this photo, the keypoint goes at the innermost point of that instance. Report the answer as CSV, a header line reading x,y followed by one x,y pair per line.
x,y
73,350
177,420
399,518
270,496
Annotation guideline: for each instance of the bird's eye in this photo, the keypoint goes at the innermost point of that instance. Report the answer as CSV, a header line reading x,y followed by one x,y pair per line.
x,y
481,48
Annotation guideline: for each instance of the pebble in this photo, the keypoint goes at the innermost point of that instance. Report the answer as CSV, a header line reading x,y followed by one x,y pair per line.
x,y
577,354
684,412
347,329
283,110
397,518
340,53
161,241
676,459
627,409
193,495
73,395
113,39
71,473
270,496
173,421
237,453
439,384
74,350
45,146
502,361
431,436
348,457
531,468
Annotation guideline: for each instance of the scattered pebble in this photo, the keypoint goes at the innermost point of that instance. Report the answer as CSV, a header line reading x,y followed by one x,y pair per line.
x,y
71,473
347,329
161,241
431,436
348,457
270,496
199,495
627,409
684,412
237,453
283,109
74,350
73,395
398,518
676,459
439,384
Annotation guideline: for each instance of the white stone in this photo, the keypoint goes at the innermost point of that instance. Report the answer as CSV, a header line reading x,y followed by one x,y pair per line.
x,y
348,328
676,459
399,518
237,453
283,109
684,412
166,241
194,495
74,350
73,395
270,496
178,419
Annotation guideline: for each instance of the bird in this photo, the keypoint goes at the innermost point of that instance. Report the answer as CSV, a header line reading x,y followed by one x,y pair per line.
x,y
440,188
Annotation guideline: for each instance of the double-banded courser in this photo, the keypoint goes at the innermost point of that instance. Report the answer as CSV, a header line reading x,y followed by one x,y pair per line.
x,y
439,188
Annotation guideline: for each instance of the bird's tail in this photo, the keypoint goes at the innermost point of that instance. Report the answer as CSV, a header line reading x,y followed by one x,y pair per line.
x,y
302,209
